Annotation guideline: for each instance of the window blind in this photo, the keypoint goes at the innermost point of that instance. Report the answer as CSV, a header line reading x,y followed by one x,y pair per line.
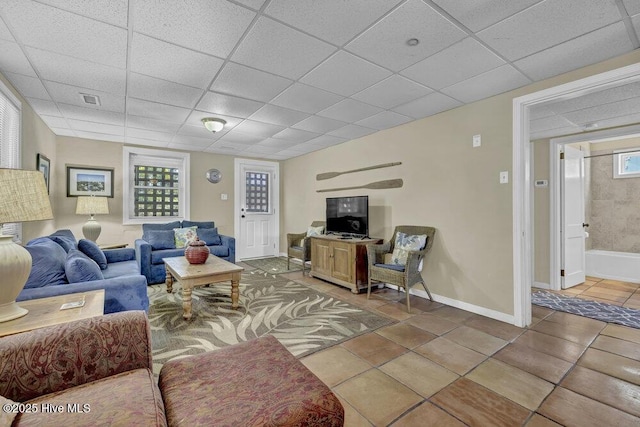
x,y
10,109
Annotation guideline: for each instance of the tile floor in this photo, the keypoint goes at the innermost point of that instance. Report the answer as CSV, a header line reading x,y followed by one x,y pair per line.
x,y
614,292
442,366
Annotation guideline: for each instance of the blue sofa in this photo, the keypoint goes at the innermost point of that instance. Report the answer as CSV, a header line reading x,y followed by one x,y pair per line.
x,y
157,243
56,259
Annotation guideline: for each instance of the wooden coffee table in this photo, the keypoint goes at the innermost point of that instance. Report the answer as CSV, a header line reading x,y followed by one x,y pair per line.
x,y
189,276
46,311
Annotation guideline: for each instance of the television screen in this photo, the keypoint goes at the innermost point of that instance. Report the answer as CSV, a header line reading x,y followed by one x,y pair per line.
x,y
348,215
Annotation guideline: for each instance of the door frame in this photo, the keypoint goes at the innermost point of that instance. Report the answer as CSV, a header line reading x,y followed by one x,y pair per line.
x,y
556,146
275,199
522,194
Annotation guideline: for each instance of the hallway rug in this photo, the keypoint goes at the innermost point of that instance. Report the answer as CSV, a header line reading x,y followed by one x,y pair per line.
x,y
302,319
274,265
595,310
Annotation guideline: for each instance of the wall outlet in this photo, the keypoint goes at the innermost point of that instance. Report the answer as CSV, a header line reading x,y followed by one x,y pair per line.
x,y
224,196
477,140
504,177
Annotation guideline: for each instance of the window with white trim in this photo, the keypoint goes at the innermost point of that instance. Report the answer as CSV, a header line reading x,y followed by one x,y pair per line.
x,y
626,163
156,184
10,145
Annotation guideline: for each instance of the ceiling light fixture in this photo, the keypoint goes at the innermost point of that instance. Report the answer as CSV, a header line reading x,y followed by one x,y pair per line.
x,y
213,124
413,42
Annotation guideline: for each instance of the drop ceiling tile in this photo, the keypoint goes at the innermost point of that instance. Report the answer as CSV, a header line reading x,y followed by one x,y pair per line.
x,y
193,140
147,142
218,103
226,148
464,59
55,122
480,14
601,97
138,122
81,125
113,12
152,89
428,105
593,47
91,115
100,136
138,107
149,134
350,110
552,133
234,138
200,132
76,72
636,23
5,34
254,4
385,43
540,111
619,121
598,113
351,132
29,87
187,147
546,24
209,26
258,149
384,120
238,80
632,7
392,92
325,141
195,119
296,135
263,130
278,115
281,50
67,94
334,21
551,122
13,59
319,124
170,62
276,143
345,74
41,106
56,30
63,132
306,98
498,80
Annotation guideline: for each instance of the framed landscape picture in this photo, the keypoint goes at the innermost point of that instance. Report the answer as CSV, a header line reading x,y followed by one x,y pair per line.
x,y
43,164
89,181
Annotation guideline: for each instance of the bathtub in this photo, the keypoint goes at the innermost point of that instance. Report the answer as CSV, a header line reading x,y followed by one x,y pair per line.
x,y
622,266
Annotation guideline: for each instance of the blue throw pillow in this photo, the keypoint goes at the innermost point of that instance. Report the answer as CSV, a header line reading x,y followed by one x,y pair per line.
x,y
201,224
80,268
66,243
90,249
161,239
47,263
153,226
209,235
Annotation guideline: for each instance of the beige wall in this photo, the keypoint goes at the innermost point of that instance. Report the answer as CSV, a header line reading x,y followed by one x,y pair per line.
x,y
448,185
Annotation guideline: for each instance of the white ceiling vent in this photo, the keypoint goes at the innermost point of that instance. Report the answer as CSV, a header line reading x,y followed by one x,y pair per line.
x,y
90,99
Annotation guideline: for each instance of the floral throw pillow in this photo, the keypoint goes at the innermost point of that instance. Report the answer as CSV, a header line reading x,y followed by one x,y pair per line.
x,y
184,236
315,231
405,243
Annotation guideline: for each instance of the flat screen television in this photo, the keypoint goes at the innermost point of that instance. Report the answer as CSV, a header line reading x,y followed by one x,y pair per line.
x,y
348,215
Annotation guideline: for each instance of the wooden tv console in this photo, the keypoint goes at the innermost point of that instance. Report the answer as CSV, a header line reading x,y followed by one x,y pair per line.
x,y
341,261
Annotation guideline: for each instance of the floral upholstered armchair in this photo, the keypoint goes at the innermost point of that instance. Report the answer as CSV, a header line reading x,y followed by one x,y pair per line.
x,y
407,249
299,244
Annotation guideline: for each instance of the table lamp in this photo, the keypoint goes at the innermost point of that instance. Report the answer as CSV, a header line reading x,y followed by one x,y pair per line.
x,y
23,197
92,205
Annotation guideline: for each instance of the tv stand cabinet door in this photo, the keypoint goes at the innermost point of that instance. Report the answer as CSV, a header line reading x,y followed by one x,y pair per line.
x,y
342,261
321,256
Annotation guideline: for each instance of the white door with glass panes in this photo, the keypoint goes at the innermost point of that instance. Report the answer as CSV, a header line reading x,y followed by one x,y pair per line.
x,y
257,226
572,229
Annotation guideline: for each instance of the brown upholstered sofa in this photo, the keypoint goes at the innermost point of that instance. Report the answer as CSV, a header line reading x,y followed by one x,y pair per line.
x,y
99,372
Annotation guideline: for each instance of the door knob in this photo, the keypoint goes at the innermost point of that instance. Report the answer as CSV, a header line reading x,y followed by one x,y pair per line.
x,y
241,216
585,224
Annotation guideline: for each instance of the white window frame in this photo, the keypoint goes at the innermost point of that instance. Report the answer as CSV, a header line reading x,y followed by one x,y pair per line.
x,y
158,156
618,163
12,153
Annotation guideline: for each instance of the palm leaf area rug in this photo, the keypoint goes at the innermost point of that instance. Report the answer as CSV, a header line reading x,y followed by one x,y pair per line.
x,y
302,319
592,309
274,265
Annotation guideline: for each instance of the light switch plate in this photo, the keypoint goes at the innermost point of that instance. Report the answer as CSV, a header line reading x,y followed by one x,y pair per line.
x,y
477,140
504,177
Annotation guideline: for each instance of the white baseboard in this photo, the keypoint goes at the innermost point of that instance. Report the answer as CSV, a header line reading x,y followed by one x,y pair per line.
x,y
541,285
493,314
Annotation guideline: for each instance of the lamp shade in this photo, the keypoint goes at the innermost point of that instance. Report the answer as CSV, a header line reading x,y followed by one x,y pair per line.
x,y
23,196
92,205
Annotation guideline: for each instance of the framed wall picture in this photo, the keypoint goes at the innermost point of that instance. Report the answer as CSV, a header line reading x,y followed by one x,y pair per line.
x,y
88,181
43,164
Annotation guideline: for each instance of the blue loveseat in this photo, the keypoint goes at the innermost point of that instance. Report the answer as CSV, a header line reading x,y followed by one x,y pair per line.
x,y
158,242
57,261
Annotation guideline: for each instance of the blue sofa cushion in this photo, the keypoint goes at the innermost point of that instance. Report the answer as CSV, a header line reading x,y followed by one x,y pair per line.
x,y
209,235
157,256
161,239
221,251
81,268
66,243
199,224
92,250
118,269
47,263
153,226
